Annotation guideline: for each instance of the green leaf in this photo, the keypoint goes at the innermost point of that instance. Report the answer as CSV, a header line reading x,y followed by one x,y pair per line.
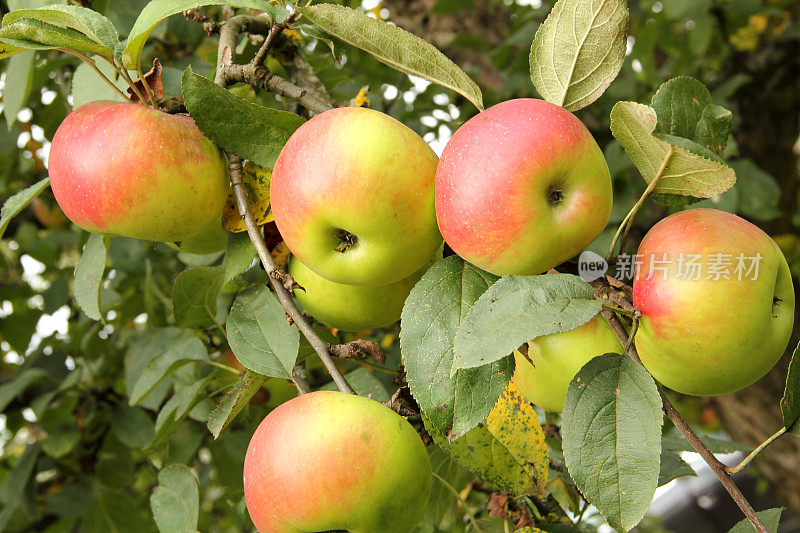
x,y
518,309
790,403
36,35
158,10
14,483
87,86
509,451
248,130
394,46
8,50
133,426
89,275
17,203
239,255
112,513
672,467
578,51
770,517
679,104
175,410
685,173
60,442
19,76
234,401
714,128
611,430
429,322
759,192
183,349
142,348
176,500
259,334
88,22
677,443
684,108
364,383
194,296
20,382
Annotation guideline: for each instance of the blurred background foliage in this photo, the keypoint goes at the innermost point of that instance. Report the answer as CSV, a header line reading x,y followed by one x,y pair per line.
x,y
77,457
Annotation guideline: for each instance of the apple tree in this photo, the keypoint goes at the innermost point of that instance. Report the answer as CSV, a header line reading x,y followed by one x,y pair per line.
x,y
230,232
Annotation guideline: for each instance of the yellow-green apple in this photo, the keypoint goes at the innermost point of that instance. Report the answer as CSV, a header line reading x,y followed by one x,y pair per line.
x,y
553,360
127,169
717,302
522,187
351,307
329,461
352,195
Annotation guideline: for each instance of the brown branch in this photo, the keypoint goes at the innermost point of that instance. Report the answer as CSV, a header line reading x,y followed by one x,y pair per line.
x,y
715,464
300,377
209,26
259,76
271,36
286,280
358,350
227,44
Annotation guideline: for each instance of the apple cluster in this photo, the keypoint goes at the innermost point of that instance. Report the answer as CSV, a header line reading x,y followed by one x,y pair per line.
x,y
364,206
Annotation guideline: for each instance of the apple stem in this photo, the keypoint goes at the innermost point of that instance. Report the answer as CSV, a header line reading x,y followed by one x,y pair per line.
x,y
752,455
223,367
127,77
151,98
227,44
632,334
602,289
621,236
89,61
461,501
630,314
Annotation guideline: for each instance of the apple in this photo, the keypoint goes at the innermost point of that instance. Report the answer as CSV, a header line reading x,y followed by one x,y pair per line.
x,y
329,461
553,360
352,195
522,187
130,170
48,213
717,328
351,307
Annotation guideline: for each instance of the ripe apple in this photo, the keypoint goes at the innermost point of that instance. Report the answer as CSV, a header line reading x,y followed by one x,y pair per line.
x,y
553,360
329,461
522,187
130,170
700,333
352,195
351,307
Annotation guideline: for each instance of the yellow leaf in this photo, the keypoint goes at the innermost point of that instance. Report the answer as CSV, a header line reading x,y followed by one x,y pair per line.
x,y
280,254
508,451
256,185
514,423
758,22
361,99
